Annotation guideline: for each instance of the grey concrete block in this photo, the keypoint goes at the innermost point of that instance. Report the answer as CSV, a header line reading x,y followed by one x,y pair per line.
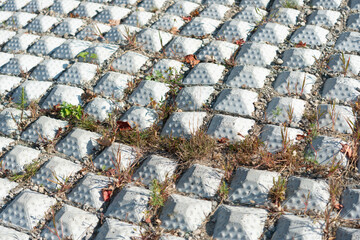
x,y
350,199
258,54
19,157
300,57
6,187
341,88
335,117
290,82
247,76
140,117
284,109
204,73
113,229
345,233
7,116
63,93
148,91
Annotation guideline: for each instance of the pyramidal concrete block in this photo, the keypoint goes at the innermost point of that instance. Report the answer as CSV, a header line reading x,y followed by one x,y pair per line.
x,y
64,6
168,22
239,222
5,57
112,13
49,69
140,117
27,209
71,221
100,108
115,229
118,34
17,158
94,31
341,88
155,167
69,26
251,14
70,49
79,143
184,213
348,41
153,40
20,42
7,124
284,109
79,73
130,204
273,33
20,63
7,83
33,90
350,199
326,18
352,62
200,26
42,23
113,84
11,234
148,91
182,8
182,46
89,190
5,35
138,18
286,16
335,117
258,54
46,45
217,50
6,187
193,97
290,82
130,62
247,76
63,93
204,73
311,35
55,172
300,57
235,29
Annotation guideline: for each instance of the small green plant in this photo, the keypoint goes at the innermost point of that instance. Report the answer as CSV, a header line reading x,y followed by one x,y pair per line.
x,y
55,230
289,4
290,113
86,55
310,156
276,112
62,184
345,64
223,190
68,110
157,199
30,171
333,115
277,192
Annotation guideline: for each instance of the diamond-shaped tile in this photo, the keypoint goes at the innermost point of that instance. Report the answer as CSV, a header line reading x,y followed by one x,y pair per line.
x,y
46,45
155,167
69,26
49,69
204,73
214,11
138,18
237,101
307,193
113,84
255,3
20,19
239,223
130,62
87,9
184,213
89,190
251,14
20,42
251,186
27,209
326,150
38,5
112,13
285,109
33,90
64,6
99,108
153,40
14,5
114,229
271,32
232,128
352,62
348,41
341,88
217,50
193,98
93,31
326,4
130,204
7,83
335,117
183,124
326,18
55,172
79,73
20,63
182,46
16,159
6,187
42,24
182,8
347,233
43,129
63,93
11,234
70,49
300,57
116,154
71,221
148,91
79,143
119,33
286,16
259,54
272,136
140,117
5,35
234,29
247,76
200,180
200,26
290,82
152,5
294,227
7,123
311,35
168,22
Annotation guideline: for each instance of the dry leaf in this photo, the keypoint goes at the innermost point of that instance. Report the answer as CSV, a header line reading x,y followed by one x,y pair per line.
x,y
300,44
123,126
73,15
192,60
148,220
112,68
88,95
174,30
300,137
106,194
346,149
194,13
113,22
105,140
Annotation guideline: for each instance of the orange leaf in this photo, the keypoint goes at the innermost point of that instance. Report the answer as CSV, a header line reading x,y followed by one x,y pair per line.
x,y
106,194
174,30
300,137
194,13
148,220
114,22
105,140
240,42
223,140
300,44
346,149
191,59
338,206
186,19
112,68
123,126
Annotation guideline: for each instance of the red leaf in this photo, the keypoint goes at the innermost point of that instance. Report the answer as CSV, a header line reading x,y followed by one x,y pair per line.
x,y
300,44
300,137
223,140
123,126
240,42
186,18
191,59
106,194
148,220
